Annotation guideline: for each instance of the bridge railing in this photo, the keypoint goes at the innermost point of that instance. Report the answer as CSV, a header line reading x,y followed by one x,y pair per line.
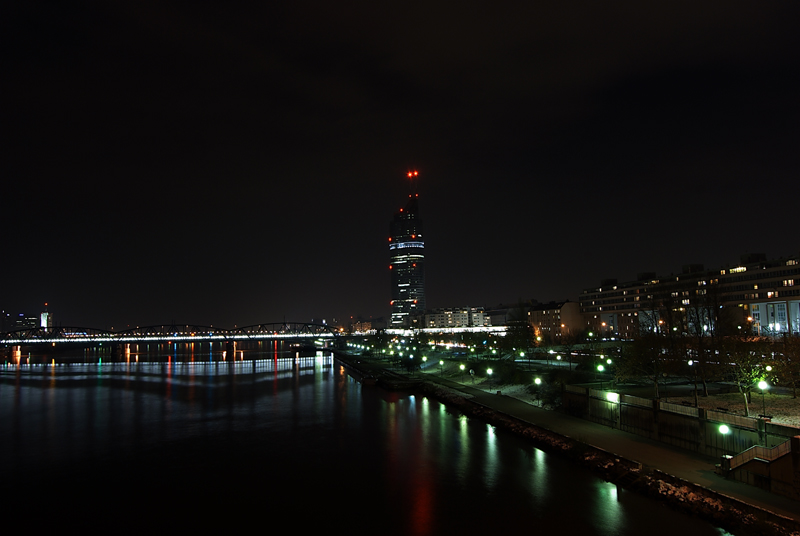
x,y
166,332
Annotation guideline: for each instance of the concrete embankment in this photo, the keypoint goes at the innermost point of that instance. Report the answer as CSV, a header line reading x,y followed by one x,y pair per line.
x,y
732,514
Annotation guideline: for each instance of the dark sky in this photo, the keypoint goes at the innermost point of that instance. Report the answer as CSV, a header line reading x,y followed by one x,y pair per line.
x,y
227,163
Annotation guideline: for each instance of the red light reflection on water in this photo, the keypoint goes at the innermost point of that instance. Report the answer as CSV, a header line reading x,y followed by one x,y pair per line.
x,y
422,510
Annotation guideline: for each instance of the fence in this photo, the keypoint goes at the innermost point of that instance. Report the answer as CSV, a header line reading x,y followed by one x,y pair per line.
x,y
637,401
683,426
729,418
680,409
783,430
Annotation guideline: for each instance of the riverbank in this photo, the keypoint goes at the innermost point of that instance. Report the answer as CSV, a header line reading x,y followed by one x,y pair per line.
x,y
646,467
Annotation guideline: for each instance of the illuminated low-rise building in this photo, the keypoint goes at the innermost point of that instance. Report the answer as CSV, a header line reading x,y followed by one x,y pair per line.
x,y
457,318
555,320
757,294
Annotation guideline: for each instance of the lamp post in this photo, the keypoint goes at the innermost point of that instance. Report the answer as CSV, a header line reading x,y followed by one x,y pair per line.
x,y
600,368
462,367
441,368
763,386
694,369
724,430
614,399
538,382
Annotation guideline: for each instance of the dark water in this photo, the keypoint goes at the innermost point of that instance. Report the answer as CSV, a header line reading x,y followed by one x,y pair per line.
x,y
282,444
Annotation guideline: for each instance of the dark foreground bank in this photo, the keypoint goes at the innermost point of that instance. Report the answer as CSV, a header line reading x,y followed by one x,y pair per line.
x,y
727,512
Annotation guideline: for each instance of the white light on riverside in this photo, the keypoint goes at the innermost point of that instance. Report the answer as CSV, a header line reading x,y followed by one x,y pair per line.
x,y
762,385
723,429
612,397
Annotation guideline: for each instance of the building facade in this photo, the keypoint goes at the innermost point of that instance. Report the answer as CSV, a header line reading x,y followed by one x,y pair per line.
x,y
407,266
554,321
757,294
467,317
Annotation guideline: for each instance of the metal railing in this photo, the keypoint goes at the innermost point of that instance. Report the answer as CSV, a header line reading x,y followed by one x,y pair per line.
x,y
637,401
729,418
763,453
679,408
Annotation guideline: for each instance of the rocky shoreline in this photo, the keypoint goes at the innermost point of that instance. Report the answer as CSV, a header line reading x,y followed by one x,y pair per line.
x,y
731,514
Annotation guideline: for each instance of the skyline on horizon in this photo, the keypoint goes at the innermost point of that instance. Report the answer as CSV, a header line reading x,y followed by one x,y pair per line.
x,y
238,164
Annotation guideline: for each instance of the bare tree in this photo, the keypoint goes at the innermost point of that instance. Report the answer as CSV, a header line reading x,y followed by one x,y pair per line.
x,y
745,357
642,358
786,368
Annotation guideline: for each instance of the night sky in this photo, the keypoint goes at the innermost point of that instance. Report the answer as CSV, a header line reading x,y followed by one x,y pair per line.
x,y
228,163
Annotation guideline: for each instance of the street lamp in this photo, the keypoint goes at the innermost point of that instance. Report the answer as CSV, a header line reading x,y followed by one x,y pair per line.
x,y
614,399
600,368
694,369
538,382
462,372
763,386
724,430
441,367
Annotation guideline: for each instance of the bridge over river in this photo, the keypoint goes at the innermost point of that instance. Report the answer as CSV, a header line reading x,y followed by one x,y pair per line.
x,y
167,333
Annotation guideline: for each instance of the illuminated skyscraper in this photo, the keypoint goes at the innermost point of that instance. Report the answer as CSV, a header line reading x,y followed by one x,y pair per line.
x,y
407,262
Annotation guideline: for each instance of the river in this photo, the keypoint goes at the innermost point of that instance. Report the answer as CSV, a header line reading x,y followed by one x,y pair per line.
x,y
281,442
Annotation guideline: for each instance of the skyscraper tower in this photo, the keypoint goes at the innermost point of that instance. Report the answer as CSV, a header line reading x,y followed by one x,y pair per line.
x,y
407,261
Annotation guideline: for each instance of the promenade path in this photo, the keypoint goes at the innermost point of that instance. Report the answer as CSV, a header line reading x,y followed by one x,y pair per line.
x,y
651,454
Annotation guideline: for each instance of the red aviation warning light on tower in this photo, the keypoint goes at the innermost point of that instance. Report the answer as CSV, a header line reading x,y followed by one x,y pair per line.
x,y
407,262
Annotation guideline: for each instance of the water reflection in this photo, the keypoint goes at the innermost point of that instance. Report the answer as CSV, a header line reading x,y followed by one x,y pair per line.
x,y
293,437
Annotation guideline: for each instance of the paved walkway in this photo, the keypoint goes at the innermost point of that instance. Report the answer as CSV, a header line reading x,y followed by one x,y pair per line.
x,y
684,464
